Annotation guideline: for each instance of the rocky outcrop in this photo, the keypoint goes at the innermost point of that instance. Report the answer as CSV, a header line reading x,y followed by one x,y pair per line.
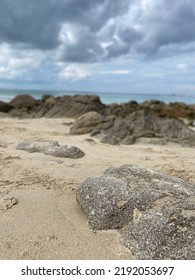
x,y
144,124
155,211
112,124
68,106
50,148
22,106
117,130
74,106
158,108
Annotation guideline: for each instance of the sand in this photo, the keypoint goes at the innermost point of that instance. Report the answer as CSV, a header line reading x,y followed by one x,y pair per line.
x,y
39,215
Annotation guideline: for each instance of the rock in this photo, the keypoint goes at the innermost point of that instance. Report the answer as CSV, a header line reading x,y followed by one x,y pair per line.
x,y
86,123
144,124
108,139
23,101
75,106
50,106
112,131
162,234
71,106
5,107
191,123
105,200
181,110
51,148
65,151
36,146
175,131
119,128
128,140
157,211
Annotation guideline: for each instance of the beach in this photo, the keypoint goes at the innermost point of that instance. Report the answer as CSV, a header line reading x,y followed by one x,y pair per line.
x,y
39,213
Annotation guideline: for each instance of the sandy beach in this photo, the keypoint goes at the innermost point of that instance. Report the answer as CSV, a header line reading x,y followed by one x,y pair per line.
x,y
39,215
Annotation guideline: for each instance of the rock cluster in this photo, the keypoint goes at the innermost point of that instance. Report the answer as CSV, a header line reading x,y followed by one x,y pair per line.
x,y
72,106
25,106
117,130
155,211
50,148
112,124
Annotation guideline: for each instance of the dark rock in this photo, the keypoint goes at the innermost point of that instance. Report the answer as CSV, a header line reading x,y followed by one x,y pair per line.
x,y
5,107
72,106
157,211
181,110
50,148
23,101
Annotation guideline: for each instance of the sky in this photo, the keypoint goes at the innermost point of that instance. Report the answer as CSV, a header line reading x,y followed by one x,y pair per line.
x,y
135,46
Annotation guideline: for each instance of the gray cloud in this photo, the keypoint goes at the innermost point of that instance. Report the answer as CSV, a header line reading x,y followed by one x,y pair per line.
x,y
167,25
161,28
37,23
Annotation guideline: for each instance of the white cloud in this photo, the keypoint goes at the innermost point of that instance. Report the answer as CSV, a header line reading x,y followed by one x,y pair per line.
x,y
74,72
116,72
14,63
182,66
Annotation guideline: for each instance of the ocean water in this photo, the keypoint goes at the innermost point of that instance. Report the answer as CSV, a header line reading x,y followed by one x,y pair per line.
x,y
107,98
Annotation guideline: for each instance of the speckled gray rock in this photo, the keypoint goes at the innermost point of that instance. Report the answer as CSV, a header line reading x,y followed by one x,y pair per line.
x,y
106,202
36,146
50,148
166,233
155,210
65,151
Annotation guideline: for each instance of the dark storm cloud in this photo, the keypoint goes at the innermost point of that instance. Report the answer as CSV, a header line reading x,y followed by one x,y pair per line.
x,y
158,25
38,23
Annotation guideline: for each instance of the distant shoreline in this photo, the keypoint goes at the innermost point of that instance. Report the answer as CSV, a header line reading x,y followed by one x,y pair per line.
x,y
7,95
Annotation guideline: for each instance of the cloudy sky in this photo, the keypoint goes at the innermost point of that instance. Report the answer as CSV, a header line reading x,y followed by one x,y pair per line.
x,y
136,46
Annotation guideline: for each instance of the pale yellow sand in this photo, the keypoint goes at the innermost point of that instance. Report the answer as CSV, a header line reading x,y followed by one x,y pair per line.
x,y
39,215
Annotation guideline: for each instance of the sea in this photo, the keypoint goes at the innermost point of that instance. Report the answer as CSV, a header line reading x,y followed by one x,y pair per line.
x,y
7,95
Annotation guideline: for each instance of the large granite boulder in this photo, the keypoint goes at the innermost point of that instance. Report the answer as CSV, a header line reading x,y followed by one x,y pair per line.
x,y
50,148
155,210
